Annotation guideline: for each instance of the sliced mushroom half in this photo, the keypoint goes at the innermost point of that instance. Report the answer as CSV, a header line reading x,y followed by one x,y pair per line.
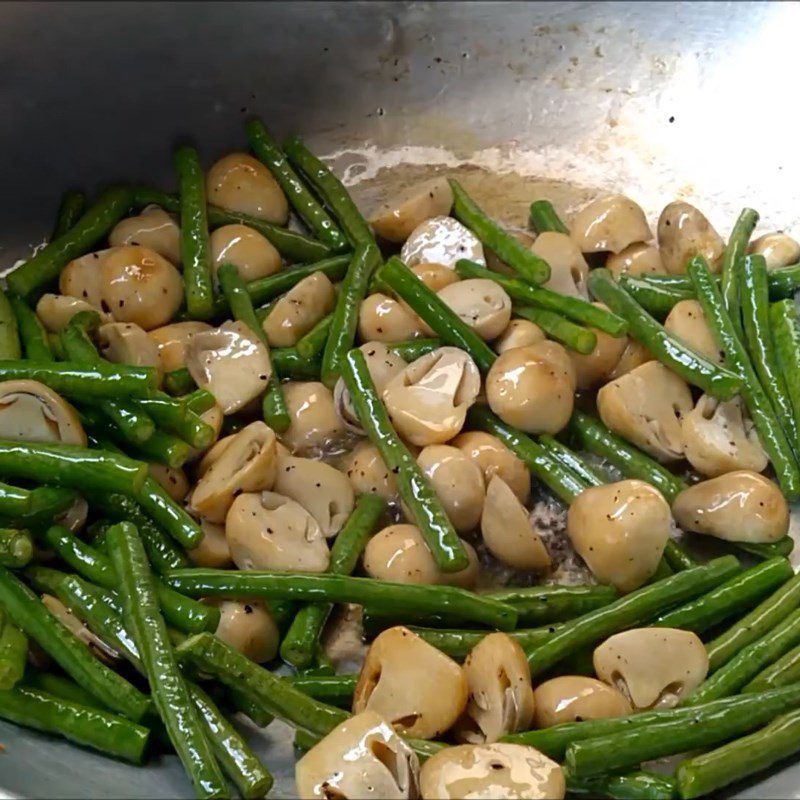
x,y
56,310
315,426
636,259
685,232
652,667
494,458
687,322
32,412
153,228
299,310
646,406
249,628
396,220
593,368
481,304
412,685
231,363
443,240
127,343
778,248
574,698
568,267
609,224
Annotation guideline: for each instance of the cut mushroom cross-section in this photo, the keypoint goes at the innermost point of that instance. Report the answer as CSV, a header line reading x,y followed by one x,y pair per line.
x,y
568,267
127,343
32,412
481,304
315,426
494,458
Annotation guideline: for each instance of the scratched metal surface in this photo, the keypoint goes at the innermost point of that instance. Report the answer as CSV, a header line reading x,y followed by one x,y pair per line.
x,y
658,100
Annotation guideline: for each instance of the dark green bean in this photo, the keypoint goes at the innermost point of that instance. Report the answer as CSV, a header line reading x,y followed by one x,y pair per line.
x,y
657,297
415,348
289,364
458,643
571,460
16,548
732,264
14,502
784,324
629,786
13,655
179,381
543,217
69,212
10,347
199,401
31,331
334,689
677,557
573,336
783,672
59,686
313,343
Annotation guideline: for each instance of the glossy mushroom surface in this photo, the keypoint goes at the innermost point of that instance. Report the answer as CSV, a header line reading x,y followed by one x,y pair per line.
x,y
609,224
443,240
575,698
685,232
396,219
32,412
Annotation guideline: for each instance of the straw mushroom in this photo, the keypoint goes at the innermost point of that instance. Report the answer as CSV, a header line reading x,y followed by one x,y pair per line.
x,y
249,628
574,698
82,277
435,276
74,518
56,310
739,506
609,223
213,550
367,472
315,424
683,233
32,412
568,267
646,406
397,219
687,322
251,253
127,343
634,355
299,310
383,319
172,341
636,259
154,229
415,687
481,304
620,531
172,480
593,368
494,458
443,240
778,248
518,333
652,667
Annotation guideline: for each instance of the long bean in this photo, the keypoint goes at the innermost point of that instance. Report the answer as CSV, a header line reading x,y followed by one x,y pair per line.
x,y
543,217
784,325
32,334
334,689
10,347
734,290
60,687
677,557
179,381
288,363
170,693
169,515
44,267
784,671
415,348
636,785
16,548
313,343
571,460
458,643
572,336
13,655
692,367
299,645
69,212
14,501
769,429
525,262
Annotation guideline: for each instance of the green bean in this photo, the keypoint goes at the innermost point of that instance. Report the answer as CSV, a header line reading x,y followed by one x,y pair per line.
x,y
344,589
47,502
629,611
458,643
732,263
13,655
44,579
706,773
573,308
288,363
595,437
303,202
677,557
561,481
337,690
9,333
179,381
734,596
658,298
543,217
195,245
69,212
663,570
783,672
199,401
431,309
542,605
89,727
629,786
692,367
167,514
710,725
31,331
31,615
571,460
16,548
415,348
300,644
784,324
331,190
60,687
313,343
525,262
424,506
45,266
769,430
573,336
14,502
171,696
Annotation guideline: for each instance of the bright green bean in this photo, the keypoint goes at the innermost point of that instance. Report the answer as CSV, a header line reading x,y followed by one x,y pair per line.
x,y
31,331
573,336
13,655
732,267
16,548
543,217
69,212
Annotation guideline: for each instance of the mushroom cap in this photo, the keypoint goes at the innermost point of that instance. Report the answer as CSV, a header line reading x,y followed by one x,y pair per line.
x,y
532,388
383,319
518,333
172,341
494,458
249,628
443,240
593,368
740,506
507,530
213,550
33,412
719,437
82,278
362,753
396,219
481,304
268,531
652,667
683,233
172,480
127,343
687,322
435,276
367,472
574,698
231,362
56,310
315,426
636,259
429,399
154,229
609,223
253,255
482,771
299,310
646,406
239,182
500,691
778,248
412,685
620,531
634,355
568,267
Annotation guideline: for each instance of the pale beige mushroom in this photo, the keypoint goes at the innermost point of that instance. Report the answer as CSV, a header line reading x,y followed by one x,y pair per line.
x,y
683,233
687,322
399,554
268,531
494,458
231,362
315,425
500,692
396,220
383,319
457,481
94,643
568,267
412,685
56,310
481,304
778,248
593,368
435,276
213,550
82,277
153,228
482,771
299,310
609,223
172,341
720,437
443,240
321,489
253,255
532,388
74,518
652,667
429,399
172,480
574,698
739,506
362,755
507,530
127,343
646,406
620,531
367,472
239,182
634,355
636,259
518,333
246,462
249,628
33,412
